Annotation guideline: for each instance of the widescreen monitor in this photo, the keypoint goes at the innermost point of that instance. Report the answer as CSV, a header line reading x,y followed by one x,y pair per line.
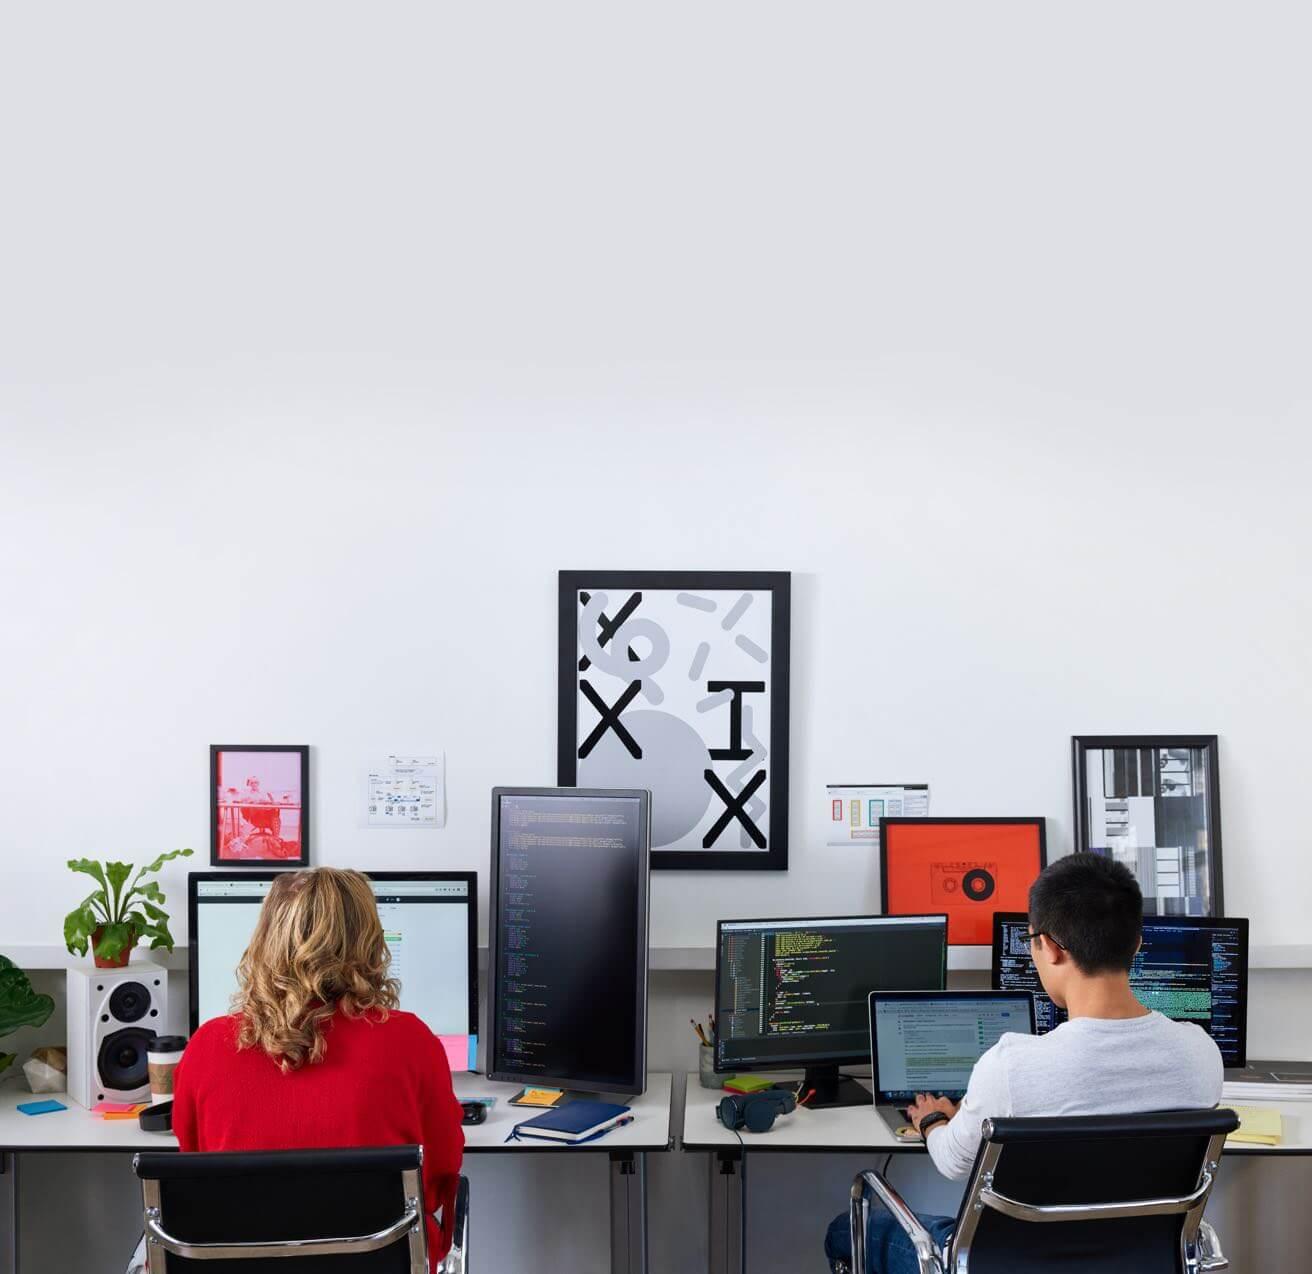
x,y
430,923
568,953
966,867
1190,968
792,993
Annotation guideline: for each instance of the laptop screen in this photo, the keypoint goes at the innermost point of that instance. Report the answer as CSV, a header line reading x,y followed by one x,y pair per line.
x,y
929,1042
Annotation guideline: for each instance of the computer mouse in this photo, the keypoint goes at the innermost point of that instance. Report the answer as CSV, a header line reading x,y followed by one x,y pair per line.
x,y
475,1112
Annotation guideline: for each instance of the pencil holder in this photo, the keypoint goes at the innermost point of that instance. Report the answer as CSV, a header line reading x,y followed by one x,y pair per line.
x,y
706,1068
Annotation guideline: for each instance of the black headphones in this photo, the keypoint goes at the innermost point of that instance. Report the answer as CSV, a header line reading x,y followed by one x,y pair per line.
x,y
755,1111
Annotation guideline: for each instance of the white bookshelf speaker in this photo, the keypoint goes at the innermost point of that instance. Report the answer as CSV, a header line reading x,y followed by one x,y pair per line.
x,y
113,1014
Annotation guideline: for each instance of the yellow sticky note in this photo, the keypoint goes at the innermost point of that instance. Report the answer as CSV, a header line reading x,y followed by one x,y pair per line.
x,y
538,1097
1258,1126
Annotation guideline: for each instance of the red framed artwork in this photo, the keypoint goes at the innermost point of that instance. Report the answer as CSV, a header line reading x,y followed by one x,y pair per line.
x,y
966,867
259,807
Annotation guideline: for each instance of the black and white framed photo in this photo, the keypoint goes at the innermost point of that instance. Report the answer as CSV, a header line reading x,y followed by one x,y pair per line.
x,y
677,681
1153,802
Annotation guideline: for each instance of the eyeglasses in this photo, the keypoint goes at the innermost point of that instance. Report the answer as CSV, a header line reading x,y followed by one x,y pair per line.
x,y
1038,933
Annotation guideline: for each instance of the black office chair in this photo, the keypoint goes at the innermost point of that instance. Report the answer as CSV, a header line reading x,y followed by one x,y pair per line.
x,y
1100,1194
334,1211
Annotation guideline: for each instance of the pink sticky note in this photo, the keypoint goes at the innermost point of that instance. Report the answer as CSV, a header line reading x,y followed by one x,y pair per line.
x,y
457,1051
112,1107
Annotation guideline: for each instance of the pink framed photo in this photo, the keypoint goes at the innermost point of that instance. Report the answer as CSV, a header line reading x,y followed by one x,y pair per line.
x,y
259,806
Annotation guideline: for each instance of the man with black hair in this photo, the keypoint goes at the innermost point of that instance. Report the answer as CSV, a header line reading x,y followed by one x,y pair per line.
x,y
1112,1056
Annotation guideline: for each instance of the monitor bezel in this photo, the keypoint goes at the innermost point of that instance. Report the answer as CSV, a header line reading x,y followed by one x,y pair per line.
x,y
828,1059
638,1082
193,937
1022,997
1239,923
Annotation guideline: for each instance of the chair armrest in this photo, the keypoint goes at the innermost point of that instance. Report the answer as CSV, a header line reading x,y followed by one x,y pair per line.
x,y
352,1245
457,1259
990,1198
1210,1256
859,1214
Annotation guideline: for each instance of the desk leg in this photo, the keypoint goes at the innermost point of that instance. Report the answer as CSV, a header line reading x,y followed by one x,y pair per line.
x,y
628,1213
9,1213
727,1223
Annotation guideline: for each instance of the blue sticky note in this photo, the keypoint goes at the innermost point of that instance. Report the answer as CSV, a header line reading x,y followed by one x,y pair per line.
x,y
40,1107
473,1052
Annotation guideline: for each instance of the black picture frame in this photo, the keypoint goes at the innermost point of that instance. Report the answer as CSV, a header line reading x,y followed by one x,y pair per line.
x,y
1083,744
216,750
778,584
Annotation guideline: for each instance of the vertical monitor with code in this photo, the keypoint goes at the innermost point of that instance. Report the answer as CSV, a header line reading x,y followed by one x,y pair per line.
x,y
1189,968
569,938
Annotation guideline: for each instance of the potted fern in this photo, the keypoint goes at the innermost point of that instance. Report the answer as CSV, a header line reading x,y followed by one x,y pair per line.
x,y
124,909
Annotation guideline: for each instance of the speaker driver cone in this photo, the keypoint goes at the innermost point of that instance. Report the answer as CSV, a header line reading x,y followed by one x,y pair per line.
x,y
122,1059
129,1001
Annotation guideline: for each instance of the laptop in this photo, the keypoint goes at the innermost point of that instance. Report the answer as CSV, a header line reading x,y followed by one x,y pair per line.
x,y
929,1042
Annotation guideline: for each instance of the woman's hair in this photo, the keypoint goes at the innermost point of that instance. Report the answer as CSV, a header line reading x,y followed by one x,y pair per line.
x,y
317,947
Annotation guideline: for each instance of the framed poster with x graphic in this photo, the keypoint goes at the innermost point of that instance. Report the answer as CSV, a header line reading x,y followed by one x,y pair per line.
x,y
677,681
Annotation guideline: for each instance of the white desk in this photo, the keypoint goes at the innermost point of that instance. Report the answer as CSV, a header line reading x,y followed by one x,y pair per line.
x,y
76,1130
846,1130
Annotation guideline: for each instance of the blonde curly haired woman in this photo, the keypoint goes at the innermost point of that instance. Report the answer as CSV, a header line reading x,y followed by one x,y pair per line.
x,y
315,1052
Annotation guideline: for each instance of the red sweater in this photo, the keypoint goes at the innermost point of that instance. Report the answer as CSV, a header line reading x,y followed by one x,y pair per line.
x,y
379,1084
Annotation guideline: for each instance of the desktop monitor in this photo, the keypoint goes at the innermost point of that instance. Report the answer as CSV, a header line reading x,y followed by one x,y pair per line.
x,y
792,993
967,867
568,953
430,922
1190,968
922,1042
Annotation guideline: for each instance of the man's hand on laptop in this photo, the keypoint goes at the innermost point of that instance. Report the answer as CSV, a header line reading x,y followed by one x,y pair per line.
x,y
927,1104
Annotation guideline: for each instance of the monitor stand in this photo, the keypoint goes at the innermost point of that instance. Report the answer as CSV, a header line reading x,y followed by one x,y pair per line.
x,y
833,1088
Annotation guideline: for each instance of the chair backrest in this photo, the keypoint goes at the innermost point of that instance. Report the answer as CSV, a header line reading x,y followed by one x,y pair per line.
x,y
1102,1194
356,1211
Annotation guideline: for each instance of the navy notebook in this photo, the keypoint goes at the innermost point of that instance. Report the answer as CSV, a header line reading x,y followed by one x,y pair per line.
x,y
574,1122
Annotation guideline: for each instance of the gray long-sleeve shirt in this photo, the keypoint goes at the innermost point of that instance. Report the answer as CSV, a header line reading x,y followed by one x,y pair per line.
x,y
1087,1066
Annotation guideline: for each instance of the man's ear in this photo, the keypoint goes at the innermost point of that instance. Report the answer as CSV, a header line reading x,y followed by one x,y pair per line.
x,y
1054,953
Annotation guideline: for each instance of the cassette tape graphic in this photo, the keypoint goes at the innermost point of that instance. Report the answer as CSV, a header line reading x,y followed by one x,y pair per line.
x,y
964,868
962,882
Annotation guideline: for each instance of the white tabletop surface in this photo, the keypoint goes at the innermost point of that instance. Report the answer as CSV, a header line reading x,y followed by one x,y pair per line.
x,y
837,1128
650,1129
78,1129
856,1128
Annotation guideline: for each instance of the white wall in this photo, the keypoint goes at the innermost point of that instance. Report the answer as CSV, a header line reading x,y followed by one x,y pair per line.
x,y
968,593
384,586
328,334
